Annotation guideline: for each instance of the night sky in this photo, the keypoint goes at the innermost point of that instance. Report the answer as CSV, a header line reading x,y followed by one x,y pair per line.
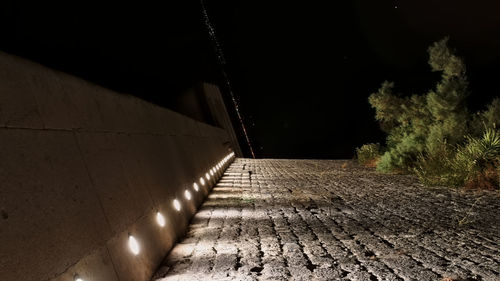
x,y
302,72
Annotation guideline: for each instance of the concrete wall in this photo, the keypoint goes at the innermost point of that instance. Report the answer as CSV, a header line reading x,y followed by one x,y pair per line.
x,y
220,115
83,167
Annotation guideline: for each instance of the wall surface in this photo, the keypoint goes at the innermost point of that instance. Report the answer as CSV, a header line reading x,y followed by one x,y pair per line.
x,y
82,168
220,115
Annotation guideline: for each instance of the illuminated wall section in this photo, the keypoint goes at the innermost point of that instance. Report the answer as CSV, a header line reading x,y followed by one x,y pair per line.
x,y
95,185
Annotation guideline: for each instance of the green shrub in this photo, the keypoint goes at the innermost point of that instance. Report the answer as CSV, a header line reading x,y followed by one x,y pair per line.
x,y
427,132
418,124
437,168
476,162
368,154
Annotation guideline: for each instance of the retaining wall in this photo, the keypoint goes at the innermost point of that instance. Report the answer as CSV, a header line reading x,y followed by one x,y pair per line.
x,y
82,168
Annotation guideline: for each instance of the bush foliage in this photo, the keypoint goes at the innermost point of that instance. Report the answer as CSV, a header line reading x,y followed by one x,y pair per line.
x,y
434,134
368,154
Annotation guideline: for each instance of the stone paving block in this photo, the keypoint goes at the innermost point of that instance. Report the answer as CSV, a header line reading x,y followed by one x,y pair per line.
x,y
334,220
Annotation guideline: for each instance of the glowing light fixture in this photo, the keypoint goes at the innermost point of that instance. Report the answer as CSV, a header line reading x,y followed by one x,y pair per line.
x,y
195,186
207,176
160,219
177,205
202,181
133,245
187,194
211,172
78,278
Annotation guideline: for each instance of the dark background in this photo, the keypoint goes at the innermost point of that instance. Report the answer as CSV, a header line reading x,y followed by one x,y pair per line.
x,y
301,72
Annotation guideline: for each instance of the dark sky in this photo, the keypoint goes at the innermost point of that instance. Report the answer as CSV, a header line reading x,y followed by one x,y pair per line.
x,y
302,70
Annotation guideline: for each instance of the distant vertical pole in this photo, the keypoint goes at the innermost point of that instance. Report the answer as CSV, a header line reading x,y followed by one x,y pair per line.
x,y
222,61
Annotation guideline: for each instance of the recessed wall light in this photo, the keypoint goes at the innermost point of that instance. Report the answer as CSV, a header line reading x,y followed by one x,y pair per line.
x,y
160,219
177,205
195,186
187,194
207,176
202,181
133,245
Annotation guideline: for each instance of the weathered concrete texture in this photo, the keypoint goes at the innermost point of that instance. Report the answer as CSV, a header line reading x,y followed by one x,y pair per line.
x,y
82,167
334,220
220,114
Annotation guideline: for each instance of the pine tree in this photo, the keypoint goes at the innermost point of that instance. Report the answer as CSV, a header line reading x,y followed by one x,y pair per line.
x,y
421,124
433,134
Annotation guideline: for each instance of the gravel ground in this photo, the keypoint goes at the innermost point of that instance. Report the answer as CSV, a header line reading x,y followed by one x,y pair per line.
x,y
334,220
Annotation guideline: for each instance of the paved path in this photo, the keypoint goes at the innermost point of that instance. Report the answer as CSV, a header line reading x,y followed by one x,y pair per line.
x,y
333,220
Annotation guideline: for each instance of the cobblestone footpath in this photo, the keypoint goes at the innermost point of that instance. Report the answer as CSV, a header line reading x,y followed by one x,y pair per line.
x,y
335,220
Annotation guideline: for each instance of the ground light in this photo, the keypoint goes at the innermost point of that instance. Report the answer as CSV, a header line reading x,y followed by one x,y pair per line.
x,y
78,278
133,245
195,186
207,176
212,172
202,181
160,219
187,194
177,205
